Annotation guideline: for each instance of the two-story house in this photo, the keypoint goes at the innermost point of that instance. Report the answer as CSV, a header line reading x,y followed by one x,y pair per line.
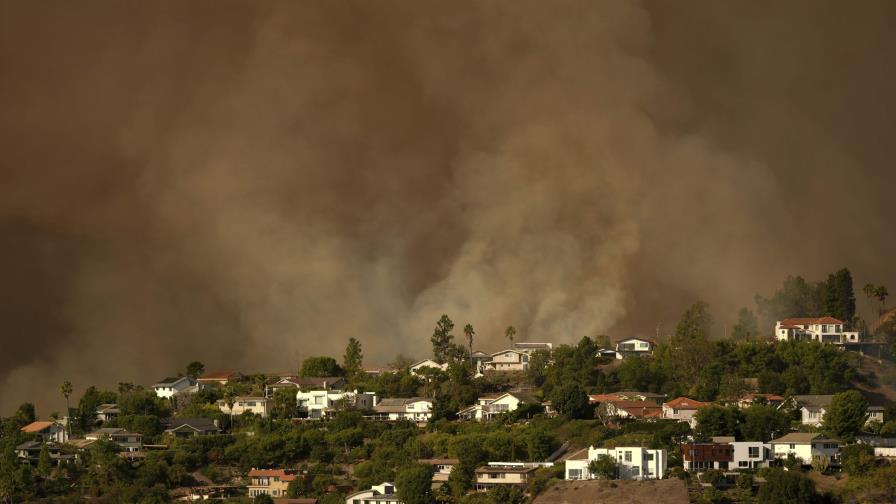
x,y
495,474
322,403
633,462
48,430
127,441
107,412
682,409
417,368
307,383
747,454
260,406
441,468
384,493
218,379
515,358
698,456
806,446
273,482
415,409
823,329
170,387
630,347
490,406
190,427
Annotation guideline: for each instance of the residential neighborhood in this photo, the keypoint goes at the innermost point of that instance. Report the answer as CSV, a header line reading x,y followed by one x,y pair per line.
x,y
504,425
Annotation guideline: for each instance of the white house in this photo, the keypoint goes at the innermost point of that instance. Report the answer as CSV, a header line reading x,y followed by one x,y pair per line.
x,y
682,409
489,406
634,346
747,454
823,329
48,430
127,441
633,462
170,387
806,446
418,367
415,409
261,406
107,412
441,468
384,493
505,474
320,403
507,360
814,407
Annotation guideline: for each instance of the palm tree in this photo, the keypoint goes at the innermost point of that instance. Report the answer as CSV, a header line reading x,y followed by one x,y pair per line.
x,y
468,331
870,291
230,400
66,390
510,332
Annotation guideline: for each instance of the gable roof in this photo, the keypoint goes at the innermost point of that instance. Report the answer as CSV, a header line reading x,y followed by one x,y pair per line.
x,y
220,375
196,424
283,474
636,339
685,403
398,404
800,321
802,438
37,426
638,409
171,380
813,401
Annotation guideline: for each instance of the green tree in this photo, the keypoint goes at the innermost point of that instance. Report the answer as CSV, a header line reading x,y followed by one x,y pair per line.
x,y
691,346
796,298
570,400
44,463
540,444
857,459
442,339
747,326
195,369
762,423
295,488
285,403
263,499
25,414
718,421
320,367
840,300
413,484
353,360
846,415
786,487
510,333
604,467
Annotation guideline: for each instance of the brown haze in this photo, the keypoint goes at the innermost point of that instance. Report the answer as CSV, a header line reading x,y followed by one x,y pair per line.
x,y
249,183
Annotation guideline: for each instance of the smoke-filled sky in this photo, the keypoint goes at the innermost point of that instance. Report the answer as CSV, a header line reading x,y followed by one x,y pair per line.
x,y
250,183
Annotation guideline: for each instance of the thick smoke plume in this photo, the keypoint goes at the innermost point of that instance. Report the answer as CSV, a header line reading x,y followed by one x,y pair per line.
x,y
250,183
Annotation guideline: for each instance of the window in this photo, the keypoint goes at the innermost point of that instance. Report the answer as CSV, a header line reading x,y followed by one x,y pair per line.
x,y
743,463
628,456
575,474
792,446
754,452
636,471
648,456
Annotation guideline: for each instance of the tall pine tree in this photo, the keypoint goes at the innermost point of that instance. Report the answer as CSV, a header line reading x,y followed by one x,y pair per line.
x,y
839,298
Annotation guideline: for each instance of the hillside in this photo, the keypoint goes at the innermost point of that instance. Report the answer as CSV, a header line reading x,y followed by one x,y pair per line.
x,y
673,491
879,378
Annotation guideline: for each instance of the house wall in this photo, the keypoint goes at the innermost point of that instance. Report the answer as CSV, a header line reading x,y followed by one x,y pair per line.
x,y
800,450
635,462
808,417
744,460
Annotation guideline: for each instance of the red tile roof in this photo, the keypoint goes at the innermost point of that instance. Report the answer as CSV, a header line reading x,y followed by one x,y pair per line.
x,y
220,375
685,403
800,321
284,474
37,426
639,409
